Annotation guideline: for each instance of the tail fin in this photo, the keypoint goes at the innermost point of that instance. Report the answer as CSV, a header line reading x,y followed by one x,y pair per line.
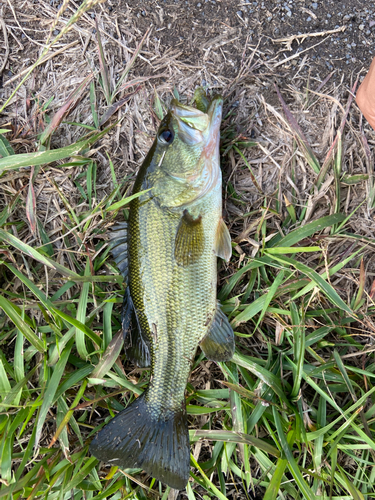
x,y
138,438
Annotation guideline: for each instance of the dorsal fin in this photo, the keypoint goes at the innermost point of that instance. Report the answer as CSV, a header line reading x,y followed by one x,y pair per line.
x,y
136,343
119,246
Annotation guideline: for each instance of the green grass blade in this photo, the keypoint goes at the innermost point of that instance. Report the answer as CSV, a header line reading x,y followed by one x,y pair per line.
x,y
284,250
318,453
234,280
158,106
273,488
35,254
234,437
250,311
5,147
126,201
19,367
44,157
333,270
307,230
292,465
50,390
78,325
32,287
324,286
355,494
81,315
270,295
41,157
19,322
13,395
5,386
299,349
266,376
207,483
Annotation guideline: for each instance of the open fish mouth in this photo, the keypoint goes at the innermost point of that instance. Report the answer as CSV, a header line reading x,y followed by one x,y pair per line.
x,y
195,126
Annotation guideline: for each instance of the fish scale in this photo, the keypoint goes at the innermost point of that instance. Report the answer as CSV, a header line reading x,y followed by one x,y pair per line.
x,y
167,253
179,299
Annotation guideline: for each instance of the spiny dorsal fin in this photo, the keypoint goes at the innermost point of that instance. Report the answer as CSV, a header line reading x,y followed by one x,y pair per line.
x,y
189,243
218,343
119,246
223,246
136,344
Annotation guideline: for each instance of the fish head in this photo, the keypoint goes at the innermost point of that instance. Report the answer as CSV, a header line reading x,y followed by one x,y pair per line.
x,y
187,147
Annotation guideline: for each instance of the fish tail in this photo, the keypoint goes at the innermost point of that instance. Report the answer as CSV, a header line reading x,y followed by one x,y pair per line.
x,y
156,441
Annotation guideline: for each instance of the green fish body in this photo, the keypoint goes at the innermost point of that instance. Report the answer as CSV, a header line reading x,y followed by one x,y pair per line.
x,y
167,252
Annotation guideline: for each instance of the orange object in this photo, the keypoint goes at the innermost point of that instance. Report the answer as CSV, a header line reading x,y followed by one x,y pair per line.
x,y
366,96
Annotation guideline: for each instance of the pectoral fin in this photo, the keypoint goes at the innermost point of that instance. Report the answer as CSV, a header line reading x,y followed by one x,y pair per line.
x,y
223,246
189,243
136,344
218,343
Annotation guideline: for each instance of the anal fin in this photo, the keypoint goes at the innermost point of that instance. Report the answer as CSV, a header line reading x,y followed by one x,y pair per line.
x,y
223,245
136,344
218,343
189,242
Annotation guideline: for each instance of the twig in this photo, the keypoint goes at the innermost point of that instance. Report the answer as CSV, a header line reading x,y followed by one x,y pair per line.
x,y
290,39
2,22
298,54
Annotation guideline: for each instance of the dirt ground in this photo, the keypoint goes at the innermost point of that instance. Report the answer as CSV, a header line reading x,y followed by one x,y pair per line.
x,y
285,40
345,42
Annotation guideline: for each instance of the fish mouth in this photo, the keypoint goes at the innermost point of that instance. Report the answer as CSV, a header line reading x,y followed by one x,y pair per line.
x,y
195,126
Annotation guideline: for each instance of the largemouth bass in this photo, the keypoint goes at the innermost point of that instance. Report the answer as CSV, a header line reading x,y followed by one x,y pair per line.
x,y
167,253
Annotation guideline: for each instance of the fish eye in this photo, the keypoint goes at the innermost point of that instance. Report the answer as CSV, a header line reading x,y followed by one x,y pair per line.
x,y
166,136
